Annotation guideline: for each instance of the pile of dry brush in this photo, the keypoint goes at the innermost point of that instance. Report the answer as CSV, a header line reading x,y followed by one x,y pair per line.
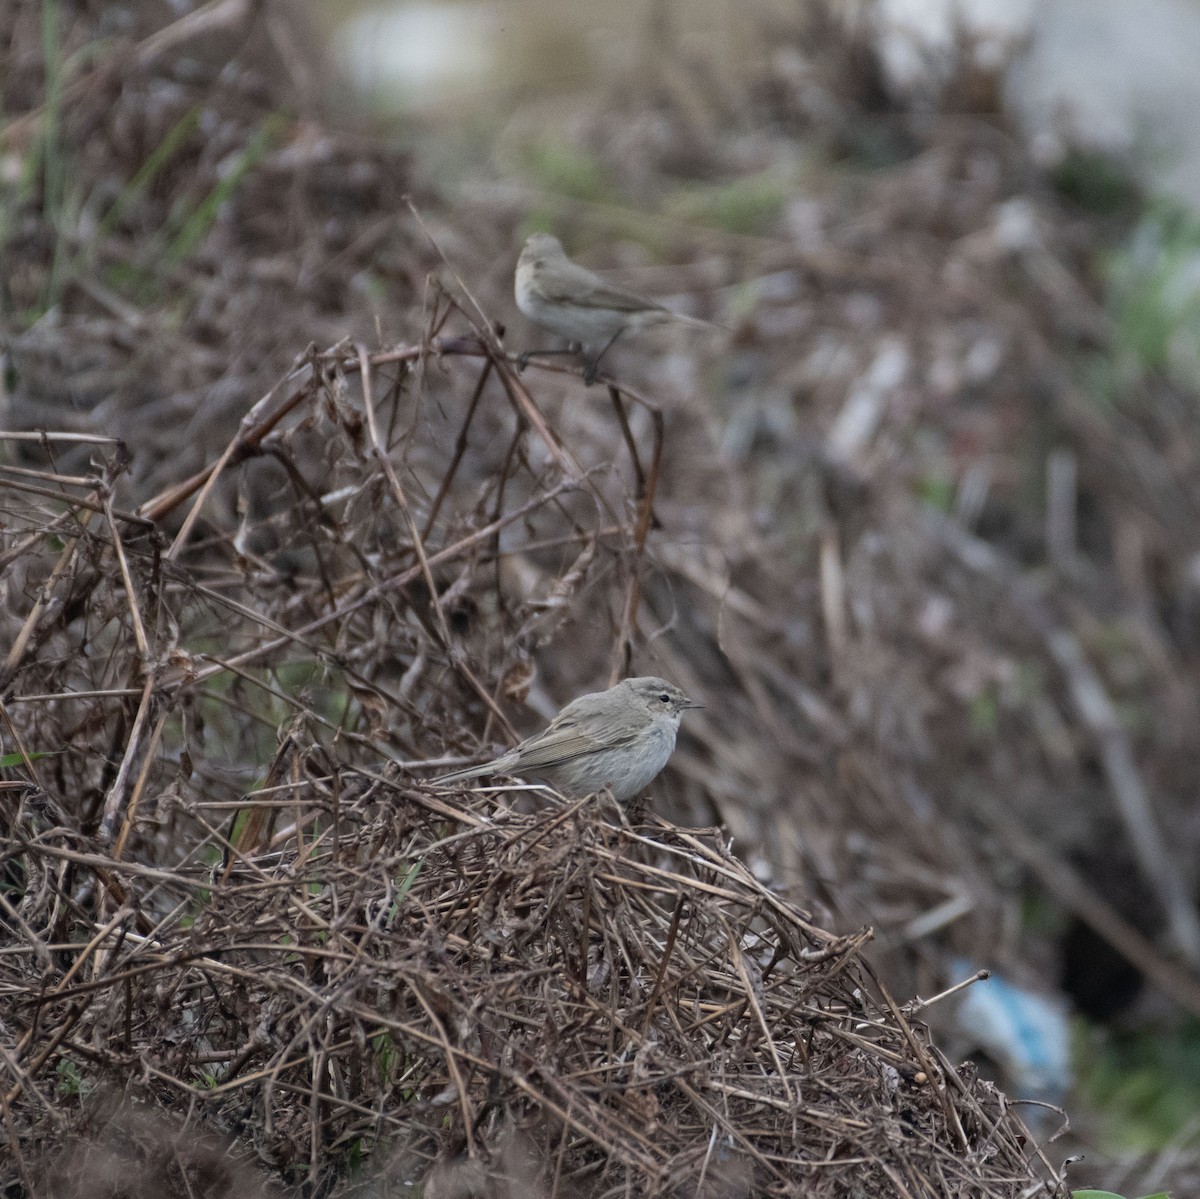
x,y
346,960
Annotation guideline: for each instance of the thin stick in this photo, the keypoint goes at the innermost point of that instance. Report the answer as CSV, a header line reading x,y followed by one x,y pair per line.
x,y
623,646
17,650
140,786
41,435
460,448
116,793
135,615
918,1004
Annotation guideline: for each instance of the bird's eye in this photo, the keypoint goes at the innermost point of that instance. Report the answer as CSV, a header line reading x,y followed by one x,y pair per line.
x,y
665,698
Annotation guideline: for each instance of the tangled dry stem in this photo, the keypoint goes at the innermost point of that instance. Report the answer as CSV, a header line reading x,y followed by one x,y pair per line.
x,y
347,960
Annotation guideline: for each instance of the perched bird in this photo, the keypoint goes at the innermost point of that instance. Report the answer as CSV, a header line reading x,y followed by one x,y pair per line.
x,y
620,738
568,299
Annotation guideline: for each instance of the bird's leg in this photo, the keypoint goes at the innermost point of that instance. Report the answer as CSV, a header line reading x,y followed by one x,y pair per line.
x,y
613,809
523,358
593,367
634,812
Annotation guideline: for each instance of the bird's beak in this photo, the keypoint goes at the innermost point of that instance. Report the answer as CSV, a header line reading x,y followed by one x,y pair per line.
x,y
691,703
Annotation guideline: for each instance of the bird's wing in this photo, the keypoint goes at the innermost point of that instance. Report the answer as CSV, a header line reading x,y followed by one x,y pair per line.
x,y
564,739
576,285
583,289
607,295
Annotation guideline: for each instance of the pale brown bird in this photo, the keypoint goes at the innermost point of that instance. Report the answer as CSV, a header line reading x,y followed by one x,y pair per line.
x,y
620,738
568,299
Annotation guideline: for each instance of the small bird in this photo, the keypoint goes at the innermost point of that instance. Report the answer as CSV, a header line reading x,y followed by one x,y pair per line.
x,y
620,738
568,299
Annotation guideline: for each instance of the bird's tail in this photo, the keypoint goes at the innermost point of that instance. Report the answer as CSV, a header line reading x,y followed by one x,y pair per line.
x,y
468,772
